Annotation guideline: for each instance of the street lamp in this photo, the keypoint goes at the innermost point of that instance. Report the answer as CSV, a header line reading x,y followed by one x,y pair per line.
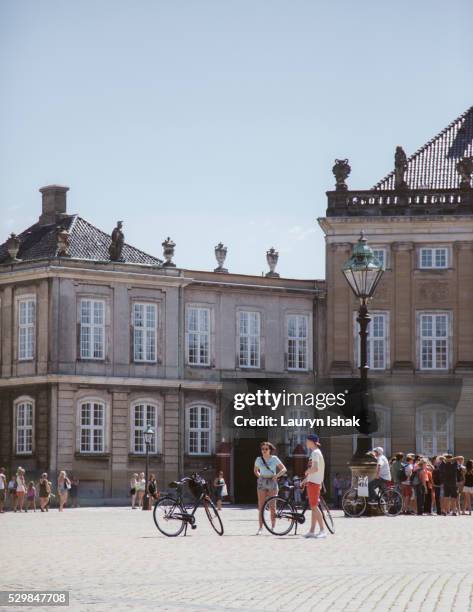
x,y
363,273
148,437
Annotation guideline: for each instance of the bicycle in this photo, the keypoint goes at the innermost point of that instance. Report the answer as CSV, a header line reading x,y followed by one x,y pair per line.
x,y
388,500
281,514
170,515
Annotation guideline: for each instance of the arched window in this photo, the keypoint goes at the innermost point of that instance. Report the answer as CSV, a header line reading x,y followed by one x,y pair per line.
x,y
382,435
145,413
298,434
434,428
200,429
91,419
23,418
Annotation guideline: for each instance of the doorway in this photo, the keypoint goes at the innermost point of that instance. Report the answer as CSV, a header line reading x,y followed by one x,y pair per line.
x,y
245,451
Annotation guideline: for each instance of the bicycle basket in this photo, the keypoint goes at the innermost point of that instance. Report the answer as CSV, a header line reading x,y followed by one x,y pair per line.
x,y
196,486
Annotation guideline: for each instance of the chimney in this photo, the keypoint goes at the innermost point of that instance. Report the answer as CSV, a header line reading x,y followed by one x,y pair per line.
x,y
54,204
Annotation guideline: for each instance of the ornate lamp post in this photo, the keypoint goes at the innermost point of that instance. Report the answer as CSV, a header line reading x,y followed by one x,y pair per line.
x,y
363,273
148,437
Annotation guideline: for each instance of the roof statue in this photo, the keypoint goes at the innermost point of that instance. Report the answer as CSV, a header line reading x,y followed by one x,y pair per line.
x,y
118,240
400,167
341,171
465,170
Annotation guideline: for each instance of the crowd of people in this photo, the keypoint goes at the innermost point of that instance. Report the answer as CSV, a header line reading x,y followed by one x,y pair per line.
x,y
442,484
21,494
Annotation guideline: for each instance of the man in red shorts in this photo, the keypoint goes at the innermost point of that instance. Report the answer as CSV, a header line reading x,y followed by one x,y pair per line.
x,y
314,477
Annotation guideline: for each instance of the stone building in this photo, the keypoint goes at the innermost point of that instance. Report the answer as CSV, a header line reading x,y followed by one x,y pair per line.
x,y
98,339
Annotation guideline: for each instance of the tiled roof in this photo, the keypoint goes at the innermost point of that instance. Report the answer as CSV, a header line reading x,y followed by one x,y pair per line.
x,y
86,242
433,166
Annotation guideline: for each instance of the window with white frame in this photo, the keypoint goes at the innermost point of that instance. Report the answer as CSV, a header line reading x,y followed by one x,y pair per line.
x,y
26,328
143,415
92,329
298,434
199,430
382,436
381,256
249,331
198,336
24,426
433,257
434,330
297,342
92,426
144,321
434,431
377,342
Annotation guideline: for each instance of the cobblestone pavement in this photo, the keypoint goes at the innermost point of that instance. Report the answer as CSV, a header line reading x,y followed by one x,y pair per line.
x,y
114,558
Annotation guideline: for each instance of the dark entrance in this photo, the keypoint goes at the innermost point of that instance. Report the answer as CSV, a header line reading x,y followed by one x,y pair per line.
x,y
245,452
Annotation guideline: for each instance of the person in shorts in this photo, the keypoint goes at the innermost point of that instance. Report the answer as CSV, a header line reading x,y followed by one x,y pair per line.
x,y
314,477
406,485
268,468
450,490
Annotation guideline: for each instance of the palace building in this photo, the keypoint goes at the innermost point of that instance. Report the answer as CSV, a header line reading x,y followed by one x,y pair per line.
x,y
99,340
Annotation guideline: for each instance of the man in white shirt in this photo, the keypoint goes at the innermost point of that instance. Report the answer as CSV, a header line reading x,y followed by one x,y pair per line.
x,y
314,477
383,473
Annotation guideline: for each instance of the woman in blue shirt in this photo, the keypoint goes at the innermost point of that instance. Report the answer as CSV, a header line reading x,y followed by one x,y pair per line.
x,y
268,468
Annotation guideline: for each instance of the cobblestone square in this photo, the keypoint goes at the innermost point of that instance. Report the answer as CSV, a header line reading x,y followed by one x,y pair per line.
x,y
114,558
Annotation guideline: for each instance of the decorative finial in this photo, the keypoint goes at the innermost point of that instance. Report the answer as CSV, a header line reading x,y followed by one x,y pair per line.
x,y
400,168
168,253
118,240
63,242
465,170
341,171
220,255
13,246
272,257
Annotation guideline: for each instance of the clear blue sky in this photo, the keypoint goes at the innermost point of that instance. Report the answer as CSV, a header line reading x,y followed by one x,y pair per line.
x,y
220,120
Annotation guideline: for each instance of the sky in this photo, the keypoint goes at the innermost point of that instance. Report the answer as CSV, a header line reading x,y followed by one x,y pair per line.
x,y
219,120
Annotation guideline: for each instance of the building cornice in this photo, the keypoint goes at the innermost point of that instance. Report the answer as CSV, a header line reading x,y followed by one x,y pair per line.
x,y
110,381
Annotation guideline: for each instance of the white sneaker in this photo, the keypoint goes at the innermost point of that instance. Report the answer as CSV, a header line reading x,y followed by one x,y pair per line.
x,y
260,531
320,535
310,534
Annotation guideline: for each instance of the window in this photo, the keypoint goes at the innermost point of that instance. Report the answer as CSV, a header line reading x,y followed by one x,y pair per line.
x,y
144,414
249,334
378,341
26,328
434,257
297,334
144,319
434,431
92,427
434,341
24,426
198,336
382,435
381,256
199,440
298,434
92,329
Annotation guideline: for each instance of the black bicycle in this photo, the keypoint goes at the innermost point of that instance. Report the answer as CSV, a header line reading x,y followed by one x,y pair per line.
x,y
281,514
171,516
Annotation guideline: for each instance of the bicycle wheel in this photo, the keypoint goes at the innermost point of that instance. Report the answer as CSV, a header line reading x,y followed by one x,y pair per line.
x,y
353,505
213,516
278,515
390,502
167,517
328,518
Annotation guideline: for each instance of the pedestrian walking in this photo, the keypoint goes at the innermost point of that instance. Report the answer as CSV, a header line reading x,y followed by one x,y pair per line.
x,y
314,477
267,469
12,493
44,492
20,489
140,489
63,488
133,490
74,492
468,487
3,489
219,486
